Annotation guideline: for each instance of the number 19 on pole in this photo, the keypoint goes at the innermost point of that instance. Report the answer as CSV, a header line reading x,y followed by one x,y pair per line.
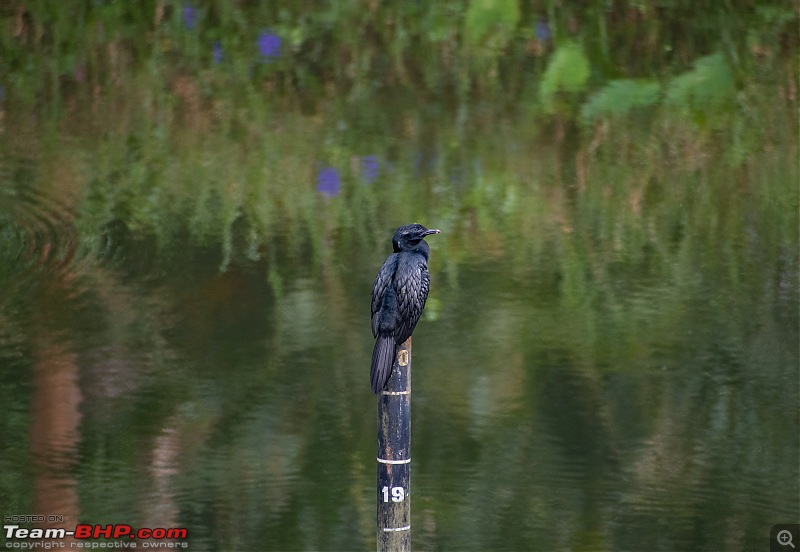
x,y
398,494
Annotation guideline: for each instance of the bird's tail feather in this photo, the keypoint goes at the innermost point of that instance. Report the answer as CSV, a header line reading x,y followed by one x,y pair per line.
x,y
382,360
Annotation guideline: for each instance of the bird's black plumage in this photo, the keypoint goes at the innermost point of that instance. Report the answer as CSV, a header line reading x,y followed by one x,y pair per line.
x,y
398,297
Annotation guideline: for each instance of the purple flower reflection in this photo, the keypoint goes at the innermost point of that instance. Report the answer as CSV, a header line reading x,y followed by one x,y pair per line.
x,y
189,16
370,166
542,31
216,52
269,45
328,182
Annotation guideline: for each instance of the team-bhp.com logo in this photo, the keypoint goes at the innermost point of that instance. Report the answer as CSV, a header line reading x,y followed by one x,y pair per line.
x,y
88,536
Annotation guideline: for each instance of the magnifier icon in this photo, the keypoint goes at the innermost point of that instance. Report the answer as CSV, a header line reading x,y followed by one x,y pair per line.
x,y
784,537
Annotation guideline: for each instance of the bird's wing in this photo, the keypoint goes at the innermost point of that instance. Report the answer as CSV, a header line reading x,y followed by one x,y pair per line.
x,y
412,292
382,281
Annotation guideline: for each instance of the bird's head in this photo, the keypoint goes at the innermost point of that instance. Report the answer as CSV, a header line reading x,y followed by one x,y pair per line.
x,y
408,237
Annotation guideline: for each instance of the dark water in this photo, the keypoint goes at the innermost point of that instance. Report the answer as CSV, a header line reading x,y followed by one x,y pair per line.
x,y
655,408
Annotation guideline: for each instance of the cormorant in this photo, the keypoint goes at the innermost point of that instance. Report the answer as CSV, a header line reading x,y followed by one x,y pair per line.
x,y
398,297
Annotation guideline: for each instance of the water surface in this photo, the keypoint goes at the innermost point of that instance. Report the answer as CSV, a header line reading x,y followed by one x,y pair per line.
x,y
624,381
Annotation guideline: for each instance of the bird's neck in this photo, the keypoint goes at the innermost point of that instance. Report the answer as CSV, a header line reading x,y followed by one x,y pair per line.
x,y
420,249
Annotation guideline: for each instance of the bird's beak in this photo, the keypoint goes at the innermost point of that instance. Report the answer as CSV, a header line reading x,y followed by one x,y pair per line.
x,y
431,231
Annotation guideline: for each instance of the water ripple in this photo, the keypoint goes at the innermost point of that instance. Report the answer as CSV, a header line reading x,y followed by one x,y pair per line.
x,y
37,235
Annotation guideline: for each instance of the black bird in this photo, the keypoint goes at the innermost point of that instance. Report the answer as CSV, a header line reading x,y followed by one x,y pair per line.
x,y
398,297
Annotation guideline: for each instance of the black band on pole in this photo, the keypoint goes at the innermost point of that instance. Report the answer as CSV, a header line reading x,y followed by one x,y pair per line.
x,y
394,456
